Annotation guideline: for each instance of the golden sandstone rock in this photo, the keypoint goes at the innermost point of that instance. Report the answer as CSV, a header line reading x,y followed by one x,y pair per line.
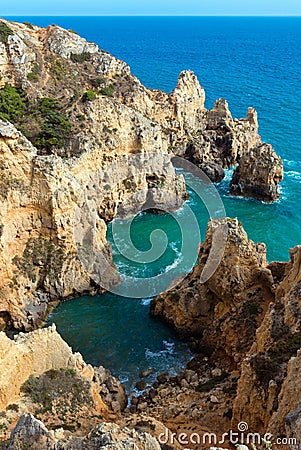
x,y
118,147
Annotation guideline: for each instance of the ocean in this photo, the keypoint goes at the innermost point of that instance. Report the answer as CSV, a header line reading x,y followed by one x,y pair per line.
x,y
250,61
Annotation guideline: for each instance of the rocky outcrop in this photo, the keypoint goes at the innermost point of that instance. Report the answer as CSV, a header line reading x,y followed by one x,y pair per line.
x,y
40,232
225,311
50,399
110,389
271,373
31,433
230,138
99,144
34,354
246,321
41,375
258,174
28,46
246,328
194,403
221,140
90,143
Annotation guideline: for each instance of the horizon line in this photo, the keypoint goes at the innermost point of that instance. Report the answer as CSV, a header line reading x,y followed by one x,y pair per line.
x,y
151,15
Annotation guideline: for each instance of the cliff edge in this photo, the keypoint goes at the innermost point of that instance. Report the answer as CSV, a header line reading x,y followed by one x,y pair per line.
x,y
244,325
75,123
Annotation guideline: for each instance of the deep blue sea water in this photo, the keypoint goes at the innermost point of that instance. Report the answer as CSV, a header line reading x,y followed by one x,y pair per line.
x,y
250,62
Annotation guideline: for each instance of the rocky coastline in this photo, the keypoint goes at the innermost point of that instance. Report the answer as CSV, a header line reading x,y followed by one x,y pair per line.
x,y
80,118
73,118
244,325
246,366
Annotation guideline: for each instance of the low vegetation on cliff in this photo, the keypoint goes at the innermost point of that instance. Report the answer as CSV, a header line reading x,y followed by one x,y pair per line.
x,y
59,396
13,104
5,32
43,122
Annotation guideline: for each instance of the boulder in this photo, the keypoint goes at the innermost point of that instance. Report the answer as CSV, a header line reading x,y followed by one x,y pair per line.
x,y
258,174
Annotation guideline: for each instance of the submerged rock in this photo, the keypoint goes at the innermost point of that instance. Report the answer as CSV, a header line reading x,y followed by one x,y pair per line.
x,y
147,372
140,385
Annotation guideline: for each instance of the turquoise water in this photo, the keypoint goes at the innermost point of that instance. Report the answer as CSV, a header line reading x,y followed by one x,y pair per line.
x,y
119,334
249,61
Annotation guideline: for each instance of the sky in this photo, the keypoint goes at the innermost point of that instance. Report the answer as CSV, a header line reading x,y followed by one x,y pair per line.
x,y
149,7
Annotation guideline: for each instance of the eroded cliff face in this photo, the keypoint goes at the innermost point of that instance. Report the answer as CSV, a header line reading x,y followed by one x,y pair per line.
x,y
39,197
90,142
93,131
246,321
258,174
271,373
41,375
225,311
50,398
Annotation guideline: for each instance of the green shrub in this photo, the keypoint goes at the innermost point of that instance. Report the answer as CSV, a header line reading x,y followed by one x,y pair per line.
x,y
72,31
34,74
108,91
13,407
29,25
55,126
89,96
81,57
57,68
12,103
98,81
7,183
5,31
64,384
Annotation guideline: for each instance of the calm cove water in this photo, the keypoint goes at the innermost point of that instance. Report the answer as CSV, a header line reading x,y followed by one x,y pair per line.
x,y
250,62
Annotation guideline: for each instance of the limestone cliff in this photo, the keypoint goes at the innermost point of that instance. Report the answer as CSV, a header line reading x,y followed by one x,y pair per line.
x,y
225,311
50,398
86,128
271,373
33,354
245,320
31,433
258,174
39,260
41,375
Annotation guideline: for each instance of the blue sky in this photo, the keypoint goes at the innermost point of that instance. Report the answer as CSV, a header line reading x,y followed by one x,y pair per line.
x,y
154,7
